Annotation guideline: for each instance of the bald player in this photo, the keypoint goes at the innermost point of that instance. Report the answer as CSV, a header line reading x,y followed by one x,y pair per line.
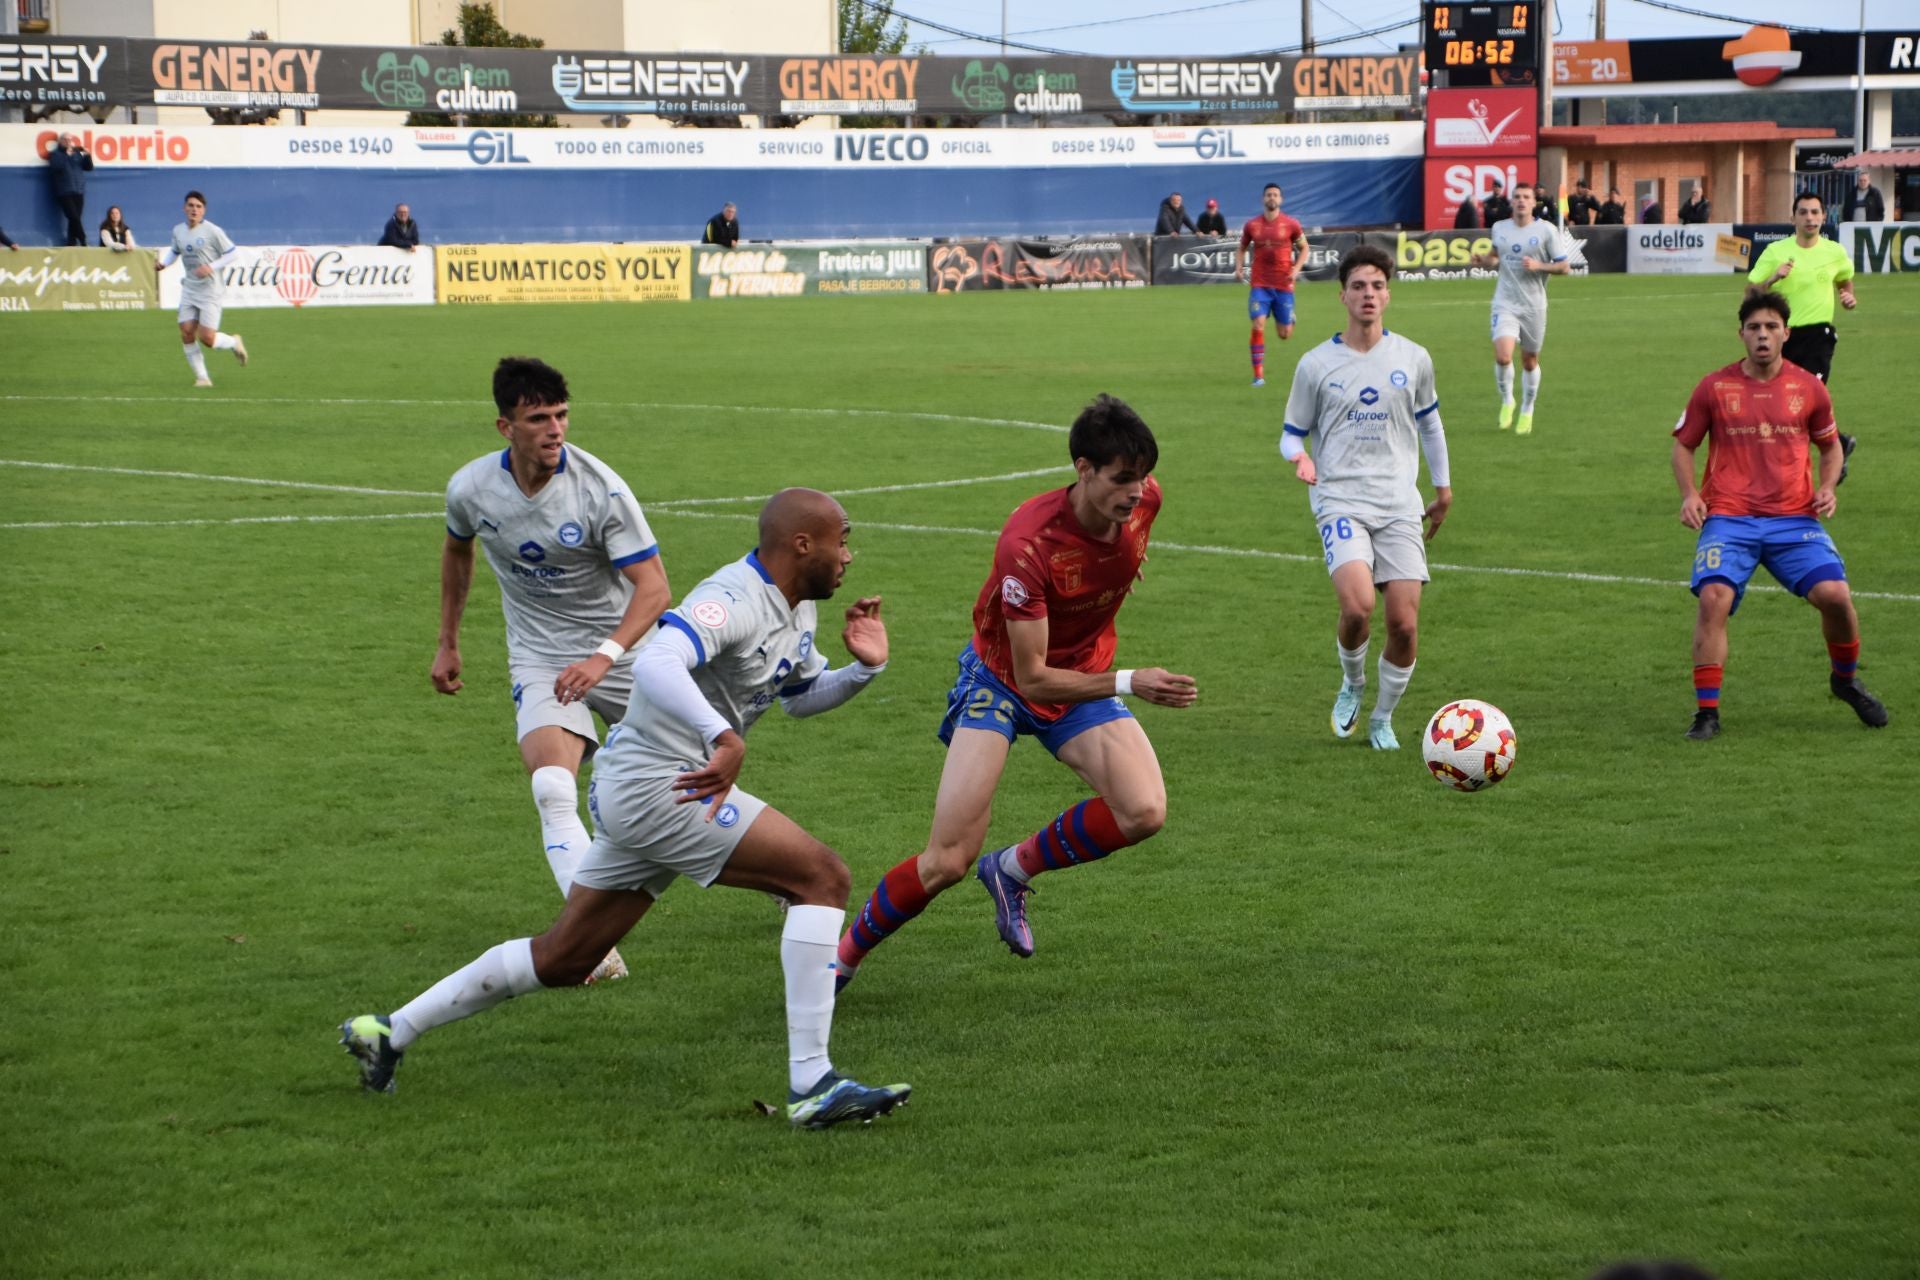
x,y
664,800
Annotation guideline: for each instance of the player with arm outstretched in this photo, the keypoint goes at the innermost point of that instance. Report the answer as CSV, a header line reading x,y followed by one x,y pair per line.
x,y
666,804
581,585
1526,250
201,249
1040,664
1759,507
1277,246
1362,410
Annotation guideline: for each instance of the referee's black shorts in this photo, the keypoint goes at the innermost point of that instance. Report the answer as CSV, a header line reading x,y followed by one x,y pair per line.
x,y
1811,347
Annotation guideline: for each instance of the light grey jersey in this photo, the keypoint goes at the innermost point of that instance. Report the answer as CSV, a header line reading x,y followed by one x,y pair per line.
x,y
558,554
752,649
1519,289
1361,415
198,247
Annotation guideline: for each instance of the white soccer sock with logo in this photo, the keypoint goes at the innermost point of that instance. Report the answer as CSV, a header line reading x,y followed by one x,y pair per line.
x,y
1353,664
1393,683
196,361
223,342
1503,381
1529,389
562,834
495,978
809,946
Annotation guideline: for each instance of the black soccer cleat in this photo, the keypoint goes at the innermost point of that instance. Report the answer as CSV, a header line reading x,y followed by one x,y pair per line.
x,y
1872,712
1706,724
1847,445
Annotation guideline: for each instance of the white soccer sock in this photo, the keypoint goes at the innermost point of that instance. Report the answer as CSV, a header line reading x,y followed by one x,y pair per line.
x,y
557,796
1503,381
1353,664
1393,683
1529,389
223,342
196,359
809,944
496,977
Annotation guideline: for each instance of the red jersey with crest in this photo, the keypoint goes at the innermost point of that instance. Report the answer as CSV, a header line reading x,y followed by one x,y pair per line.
x,y
1757,436
1046,565
1272,250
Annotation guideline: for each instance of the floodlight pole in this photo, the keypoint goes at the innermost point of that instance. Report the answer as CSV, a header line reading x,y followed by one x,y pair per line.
x,y
1860,85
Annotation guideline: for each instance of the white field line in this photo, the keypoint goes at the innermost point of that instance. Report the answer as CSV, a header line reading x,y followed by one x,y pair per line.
x,y
678,507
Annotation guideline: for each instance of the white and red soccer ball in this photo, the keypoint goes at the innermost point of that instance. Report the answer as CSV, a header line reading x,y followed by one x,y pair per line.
x,y
1469,745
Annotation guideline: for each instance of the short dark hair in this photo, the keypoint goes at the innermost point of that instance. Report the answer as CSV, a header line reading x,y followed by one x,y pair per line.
x,y
1809,195
1109,430
1768,301
1582,183
1271,186
519,380
1365,255
193,195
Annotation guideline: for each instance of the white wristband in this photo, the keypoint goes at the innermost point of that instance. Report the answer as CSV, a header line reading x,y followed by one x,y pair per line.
x,y
1123,683
863,673
611,649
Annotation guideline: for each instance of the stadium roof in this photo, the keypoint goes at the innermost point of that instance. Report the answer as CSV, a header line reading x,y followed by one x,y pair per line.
x,y
1899,157
1642,135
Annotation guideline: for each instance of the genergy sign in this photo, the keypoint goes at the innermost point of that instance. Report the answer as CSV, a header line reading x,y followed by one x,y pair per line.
x,y
235,75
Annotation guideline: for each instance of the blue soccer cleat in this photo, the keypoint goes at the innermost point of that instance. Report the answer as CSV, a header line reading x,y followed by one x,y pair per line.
x,y
1380,734
366,1038
1346,710
836,1098
1009,903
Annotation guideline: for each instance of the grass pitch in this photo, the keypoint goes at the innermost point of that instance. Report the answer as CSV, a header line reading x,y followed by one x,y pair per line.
x,y
1648,997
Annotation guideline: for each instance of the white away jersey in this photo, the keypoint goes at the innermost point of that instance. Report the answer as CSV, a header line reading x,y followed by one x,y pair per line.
x,y
1360,415
558,554
1517,288
752,649
198,247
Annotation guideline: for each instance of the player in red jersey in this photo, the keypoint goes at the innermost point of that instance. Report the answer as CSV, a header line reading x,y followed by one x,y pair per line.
x,y
1278,244
1043,641
1759,507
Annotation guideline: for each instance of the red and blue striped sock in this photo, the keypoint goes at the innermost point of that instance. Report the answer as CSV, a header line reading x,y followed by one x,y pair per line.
x,y
898,898
1845,658
1257,348
1706,686
1085,833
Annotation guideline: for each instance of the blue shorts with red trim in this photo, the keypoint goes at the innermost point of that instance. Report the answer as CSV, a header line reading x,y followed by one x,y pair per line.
x,y
981,700
1263,302
1796,550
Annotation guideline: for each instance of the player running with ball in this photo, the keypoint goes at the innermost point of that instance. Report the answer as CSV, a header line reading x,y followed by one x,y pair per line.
x,y
1039,664
1360,401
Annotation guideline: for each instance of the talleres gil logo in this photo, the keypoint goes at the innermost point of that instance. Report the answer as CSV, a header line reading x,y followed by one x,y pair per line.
x,y
1762,55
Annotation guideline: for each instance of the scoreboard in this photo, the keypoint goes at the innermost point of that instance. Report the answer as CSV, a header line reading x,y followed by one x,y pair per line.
x,y
1471,46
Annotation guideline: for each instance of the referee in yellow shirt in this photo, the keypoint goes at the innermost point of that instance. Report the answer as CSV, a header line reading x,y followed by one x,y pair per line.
x,y
1809,271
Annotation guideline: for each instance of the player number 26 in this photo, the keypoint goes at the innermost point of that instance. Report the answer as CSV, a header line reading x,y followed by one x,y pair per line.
x,y
1707,558
983,703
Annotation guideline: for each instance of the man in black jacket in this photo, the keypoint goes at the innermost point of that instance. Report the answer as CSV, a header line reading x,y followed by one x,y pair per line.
x,y
1496,208
1581,206
402,231
1212,221
1467,216
723,228
1697,209
1173,216
70,164
1864,202
1613,212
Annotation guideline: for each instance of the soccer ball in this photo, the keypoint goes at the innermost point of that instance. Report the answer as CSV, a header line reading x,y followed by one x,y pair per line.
x,y
1469,745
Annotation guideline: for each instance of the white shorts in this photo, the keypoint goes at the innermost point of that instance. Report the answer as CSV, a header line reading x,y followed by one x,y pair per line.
x,y
535,706
206,314
1528,327
1392,549
643,840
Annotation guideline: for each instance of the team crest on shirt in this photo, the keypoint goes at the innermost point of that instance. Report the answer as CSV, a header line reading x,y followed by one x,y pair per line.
x,y
1796,403
532,552
1398,378
1068,566
710,613
1013,591
806,644
571,534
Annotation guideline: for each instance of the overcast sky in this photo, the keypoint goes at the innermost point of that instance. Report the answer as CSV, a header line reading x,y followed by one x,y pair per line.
x,y
1232,26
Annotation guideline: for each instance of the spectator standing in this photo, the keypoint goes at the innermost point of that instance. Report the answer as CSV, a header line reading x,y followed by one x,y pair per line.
x,y
1651,214
723,228
1864,203
1173,216
1582,208
402,231
1496,207
1613,212
1544,207
70,164
1212,221
1467,217
115,234
1697,209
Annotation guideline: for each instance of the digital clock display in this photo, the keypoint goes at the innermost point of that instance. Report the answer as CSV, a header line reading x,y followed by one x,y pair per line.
x,y
1469,45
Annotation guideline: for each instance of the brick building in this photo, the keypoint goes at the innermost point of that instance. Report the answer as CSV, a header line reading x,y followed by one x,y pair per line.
x,y
1745,167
